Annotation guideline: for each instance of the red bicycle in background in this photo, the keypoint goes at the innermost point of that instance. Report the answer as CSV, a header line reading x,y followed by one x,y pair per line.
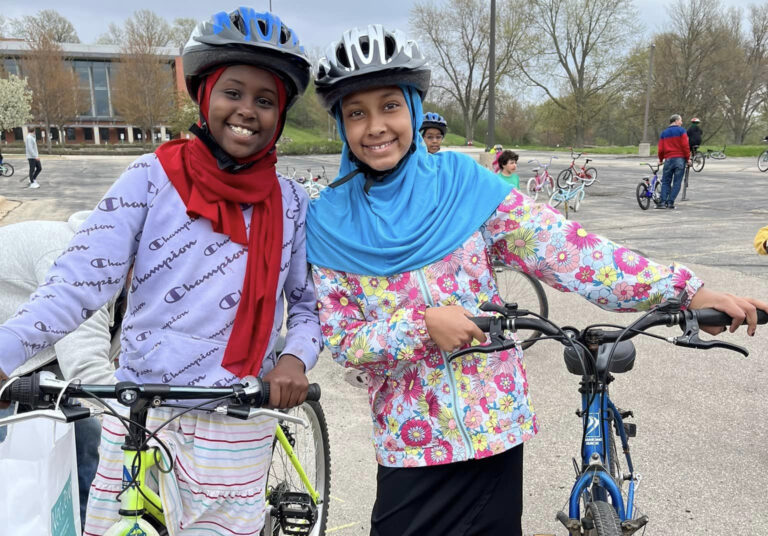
x,y
572,174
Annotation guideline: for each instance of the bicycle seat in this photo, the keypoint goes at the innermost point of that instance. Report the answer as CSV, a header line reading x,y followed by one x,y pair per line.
x,y
535,170
588,161
623,358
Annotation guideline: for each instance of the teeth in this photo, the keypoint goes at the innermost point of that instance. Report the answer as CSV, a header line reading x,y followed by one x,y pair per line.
x,y
240,130
377,147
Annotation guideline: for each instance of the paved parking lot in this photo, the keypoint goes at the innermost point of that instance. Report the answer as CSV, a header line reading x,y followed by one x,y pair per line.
x,y
701,445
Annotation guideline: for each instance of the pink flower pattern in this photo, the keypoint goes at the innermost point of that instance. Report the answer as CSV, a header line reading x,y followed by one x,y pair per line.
x,y
428,412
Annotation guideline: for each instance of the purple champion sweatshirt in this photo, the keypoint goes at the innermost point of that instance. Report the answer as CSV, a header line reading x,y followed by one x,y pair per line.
x,y
184,292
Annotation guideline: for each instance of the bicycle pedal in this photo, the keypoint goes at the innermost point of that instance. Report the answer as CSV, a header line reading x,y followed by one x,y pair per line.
x,y
630,429
297,513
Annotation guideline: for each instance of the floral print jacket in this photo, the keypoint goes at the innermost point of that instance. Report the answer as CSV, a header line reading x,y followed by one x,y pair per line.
x,y
428,412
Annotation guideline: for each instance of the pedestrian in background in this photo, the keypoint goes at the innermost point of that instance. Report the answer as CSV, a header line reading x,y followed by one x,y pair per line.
x,y
694,134
674,153
34,159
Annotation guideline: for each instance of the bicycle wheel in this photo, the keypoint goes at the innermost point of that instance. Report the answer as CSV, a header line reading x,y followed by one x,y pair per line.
x,y
762,161
285,490
532,188
563,178
579,198
7,170
526,292
643,198
556,198
718,155
698,161
590,176
549,184
605,520
657,193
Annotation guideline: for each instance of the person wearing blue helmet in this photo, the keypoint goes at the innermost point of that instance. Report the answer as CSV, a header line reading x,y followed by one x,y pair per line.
x,y
217,243
401,247
433,129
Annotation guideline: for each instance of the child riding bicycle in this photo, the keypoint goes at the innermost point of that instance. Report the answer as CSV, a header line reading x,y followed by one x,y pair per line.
x,y
217,242
400,249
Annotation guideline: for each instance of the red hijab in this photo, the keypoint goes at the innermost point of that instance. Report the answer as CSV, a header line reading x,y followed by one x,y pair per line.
x,y
217,195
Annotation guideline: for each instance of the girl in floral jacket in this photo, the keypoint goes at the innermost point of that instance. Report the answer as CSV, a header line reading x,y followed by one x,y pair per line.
x,y
401,250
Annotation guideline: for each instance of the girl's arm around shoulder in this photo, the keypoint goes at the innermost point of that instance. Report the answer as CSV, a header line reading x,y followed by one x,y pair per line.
x,y
90,270
536,239
375,344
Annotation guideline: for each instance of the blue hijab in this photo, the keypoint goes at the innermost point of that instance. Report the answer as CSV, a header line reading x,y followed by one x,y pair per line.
x,y
423,210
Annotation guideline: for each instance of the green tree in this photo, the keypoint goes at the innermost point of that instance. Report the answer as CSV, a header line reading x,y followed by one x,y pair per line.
x,y
577,55
458,39
15,103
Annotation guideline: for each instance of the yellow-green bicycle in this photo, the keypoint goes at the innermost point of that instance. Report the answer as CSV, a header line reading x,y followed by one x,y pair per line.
x,y
298,483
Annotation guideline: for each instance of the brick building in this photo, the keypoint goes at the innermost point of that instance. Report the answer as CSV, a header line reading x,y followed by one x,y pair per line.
x,y
93,65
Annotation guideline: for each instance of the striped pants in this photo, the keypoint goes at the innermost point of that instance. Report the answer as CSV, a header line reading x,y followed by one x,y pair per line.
x,y
217,484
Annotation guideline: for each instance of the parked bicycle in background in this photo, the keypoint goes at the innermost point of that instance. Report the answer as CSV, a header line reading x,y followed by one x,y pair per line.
x,y
762,160
649,189
572,174
541,181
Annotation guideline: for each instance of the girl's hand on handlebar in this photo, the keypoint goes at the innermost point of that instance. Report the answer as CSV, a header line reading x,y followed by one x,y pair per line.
x,y
287,383
450,327
739,308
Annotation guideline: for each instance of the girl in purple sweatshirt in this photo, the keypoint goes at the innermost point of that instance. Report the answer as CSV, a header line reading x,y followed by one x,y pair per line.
x,y
216,240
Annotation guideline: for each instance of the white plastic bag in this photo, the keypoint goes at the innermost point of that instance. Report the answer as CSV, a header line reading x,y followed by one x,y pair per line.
x,y
38,479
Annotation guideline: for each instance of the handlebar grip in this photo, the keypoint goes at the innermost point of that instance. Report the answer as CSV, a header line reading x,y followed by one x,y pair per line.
x,y
313,393
483,322
25,391
713,317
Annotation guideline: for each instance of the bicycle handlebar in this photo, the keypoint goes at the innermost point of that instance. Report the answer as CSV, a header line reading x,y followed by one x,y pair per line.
x,y
667,314
41,392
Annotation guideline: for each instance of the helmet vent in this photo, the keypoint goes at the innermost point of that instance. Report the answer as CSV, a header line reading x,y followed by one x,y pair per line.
x,y
365,46
389,46
263,28
342,58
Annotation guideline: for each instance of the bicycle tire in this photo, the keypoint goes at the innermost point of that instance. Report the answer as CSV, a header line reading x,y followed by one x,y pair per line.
x,y
657,193
590,176
762,161
643,199
527,292
718,155
7,170
312,447
698,161
579,198
564,177
549,184
604,518
533,192
555,199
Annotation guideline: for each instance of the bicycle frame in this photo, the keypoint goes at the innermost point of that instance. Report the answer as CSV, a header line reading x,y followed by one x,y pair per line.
x,y
541,178
596,455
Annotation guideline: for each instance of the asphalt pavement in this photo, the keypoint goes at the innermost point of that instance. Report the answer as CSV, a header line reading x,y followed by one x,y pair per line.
x,y
701,443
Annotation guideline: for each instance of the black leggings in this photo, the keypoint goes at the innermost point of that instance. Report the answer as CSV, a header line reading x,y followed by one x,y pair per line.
x,y
34,169
477,497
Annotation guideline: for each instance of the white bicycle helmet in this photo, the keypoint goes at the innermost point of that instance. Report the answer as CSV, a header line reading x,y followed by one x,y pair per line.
x,y
246,37
370,57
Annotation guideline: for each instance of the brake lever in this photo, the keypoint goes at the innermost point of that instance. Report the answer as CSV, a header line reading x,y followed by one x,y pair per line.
x,y
495,333
691,339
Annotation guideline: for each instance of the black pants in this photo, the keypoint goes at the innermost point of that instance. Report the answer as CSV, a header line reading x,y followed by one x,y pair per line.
x,y
34,169
477,497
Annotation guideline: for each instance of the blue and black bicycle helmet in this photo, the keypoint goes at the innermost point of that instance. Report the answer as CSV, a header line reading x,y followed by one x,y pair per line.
x,y
433,120
246,37
370,57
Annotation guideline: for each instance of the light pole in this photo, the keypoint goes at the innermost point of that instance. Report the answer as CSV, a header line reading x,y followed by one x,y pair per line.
x,y
492,86
648,93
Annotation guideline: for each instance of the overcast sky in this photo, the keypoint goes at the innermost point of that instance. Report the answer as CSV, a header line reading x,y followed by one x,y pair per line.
x,y
317,22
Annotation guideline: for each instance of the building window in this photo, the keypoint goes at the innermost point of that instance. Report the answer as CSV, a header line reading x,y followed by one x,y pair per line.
x,y
11,66
104,135
71,134
83,71
88,134
18,134
100,89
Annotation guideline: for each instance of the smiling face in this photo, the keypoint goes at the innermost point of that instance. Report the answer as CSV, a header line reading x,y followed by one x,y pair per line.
x,y
244,112
433,138
378,126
